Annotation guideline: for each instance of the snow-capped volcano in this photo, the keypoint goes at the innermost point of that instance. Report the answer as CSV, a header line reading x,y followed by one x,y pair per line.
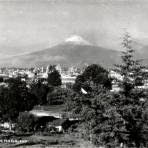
x,y
71,51
76,39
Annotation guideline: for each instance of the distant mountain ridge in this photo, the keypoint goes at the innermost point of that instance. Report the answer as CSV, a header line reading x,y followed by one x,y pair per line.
x,y
72,51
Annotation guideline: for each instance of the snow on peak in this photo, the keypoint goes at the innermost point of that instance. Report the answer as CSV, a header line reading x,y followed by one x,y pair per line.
x,y
76,39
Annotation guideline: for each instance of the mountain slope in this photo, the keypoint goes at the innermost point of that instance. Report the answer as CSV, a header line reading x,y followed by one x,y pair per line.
x,y
65,54
73,51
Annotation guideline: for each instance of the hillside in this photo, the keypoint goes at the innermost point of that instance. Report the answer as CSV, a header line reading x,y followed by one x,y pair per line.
x,y
65,54
72,51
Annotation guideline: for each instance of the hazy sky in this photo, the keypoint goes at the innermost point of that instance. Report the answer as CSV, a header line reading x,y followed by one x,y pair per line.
x,y
29,25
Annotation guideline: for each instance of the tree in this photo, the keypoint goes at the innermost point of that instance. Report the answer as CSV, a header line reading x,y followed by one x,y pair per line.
x,y
57,96
80,82
40,90
93,74
132,106
95,114
14,99
54,78
52,68
112,118
26,122
1,79
131,70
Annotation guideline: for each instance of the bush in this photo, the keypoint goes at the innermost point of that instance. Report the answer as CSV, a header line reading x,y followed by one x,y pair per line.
x,y
57,96
26,122
15,98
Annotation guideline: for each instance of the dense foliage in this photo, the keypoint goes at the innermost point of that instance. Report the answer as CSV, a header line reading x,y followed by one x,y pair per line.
x,y
132,107
40,90
57,96
114,118
54,78
15,98
26,122
93,74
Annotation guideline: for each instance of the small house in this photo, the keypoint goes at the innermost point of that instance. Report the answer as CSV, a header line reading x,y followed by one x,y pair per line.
x,y
56,126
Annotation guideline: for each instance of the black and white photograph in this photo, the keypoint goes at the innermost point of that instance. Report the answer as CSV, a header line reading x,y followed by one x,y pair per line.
x,y
73,73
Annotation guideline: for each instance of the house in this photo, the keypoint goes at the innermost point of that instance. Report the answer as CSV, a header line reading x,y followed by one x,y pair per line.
x,y
60,125
57,125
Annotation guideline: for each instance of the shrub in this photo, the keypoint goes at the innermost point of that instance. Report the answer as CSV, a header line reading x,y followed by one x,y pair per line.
x,y
26,122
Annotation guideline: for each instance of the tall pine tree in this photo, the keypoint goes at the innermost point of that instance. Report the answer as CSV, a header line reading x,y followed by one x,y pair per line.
x,y
131,70
132,105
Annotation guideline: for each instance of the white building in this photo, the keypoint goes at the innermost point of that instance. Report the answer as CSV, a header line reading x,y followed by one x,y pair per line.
x,y
68,79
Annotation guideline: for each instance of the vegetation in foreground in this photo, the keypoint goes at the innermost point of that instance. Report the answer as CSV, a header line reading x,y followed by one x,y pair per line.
x,y
115,119
105,118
